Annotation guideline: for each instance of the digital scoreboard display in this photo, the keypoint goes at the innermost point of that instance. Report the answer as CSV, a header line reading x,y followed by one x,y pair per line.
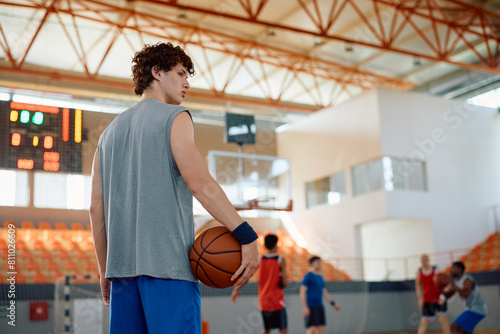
x,y
38,137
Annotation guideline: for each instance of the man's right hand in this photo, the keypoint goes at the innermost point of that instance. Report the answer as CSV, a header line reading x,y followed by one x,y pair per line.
x,y
306,311
105,290
249,263
420,303
235,295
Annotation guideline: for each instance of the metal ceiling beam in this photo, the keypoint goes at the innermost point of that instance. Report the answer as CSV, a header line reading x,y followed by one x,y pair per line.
x,y
409,10
292,62
126,86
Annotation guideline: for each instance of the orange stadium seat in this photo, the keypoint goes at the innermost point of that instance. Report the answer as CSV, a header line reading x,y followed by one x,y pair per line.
x,y
8,222
70,266
20,244
27,225
25,254
88,246
40,278
90,266
60,226
51,265
73,245
3,244
44,226
55,245
56,276
32,265
38,245
20,278
63,254
76,226
44,255
81,255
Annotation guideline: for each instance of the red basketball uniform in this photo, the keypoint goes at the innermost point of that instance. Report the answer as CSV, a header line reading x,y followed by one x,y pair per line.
x,y
431,291
271,296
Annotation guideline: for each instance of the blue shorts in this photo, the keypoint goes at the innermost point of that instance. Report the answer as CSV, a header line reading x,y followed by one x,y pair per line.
x,y
152,305
468,320
274,319
316,317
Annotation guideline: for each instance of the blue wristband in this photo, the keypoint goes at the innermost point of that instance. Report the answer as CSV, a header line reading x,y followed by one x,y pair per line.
x,y
244,234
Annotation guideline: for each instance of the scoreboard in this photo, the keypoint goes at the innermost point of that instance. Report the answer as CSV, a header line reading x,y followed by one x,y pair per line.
x,y
38,137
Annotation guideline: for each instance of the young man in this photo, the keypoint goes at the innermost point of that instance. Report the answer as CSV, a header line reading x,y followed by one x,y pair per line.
x,y
312,292
272,281
146,170
430,300
475,307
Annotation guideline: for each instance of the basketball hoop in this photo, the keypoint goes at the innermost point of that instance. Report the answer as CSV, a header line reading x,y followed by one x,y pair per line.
x,y
255,204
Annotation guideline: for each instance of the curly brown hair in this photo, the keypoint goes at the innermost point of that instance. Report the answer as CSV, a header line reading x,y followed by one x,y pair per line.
x,y
164,55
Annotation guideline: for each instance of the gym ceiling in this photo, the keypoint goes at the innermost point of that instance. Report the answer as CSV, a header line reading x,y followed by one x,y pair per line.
x,y
256,56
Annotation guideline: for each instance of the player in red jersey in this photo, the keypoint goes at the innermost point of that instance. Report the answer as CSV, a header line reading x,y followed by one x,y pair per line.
x,y
272,281
430,300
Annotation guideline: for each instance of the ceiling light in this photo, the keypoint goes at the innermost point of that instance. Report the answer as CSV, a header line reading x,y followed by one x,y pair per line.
x,y
318,41
270,31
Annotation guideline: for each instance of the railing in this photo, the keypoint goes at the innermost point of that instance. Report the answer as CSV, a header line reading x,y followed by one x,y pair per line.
x,y
394,268
495,216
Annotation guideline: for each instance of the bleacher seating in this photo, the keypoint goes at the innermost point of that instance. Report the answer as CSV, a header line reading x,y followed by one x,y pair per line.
x,y
485,256
45,253
297,259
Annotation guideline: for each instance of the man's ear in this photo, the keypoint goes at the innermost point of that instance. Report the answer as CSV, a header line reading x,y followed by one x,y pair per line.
x,y
155,72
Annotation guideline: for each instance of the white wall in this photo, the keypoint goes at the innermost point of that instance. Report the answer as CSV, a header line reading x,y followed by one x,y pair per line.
x,y
459,143
461,146
324,143
393,238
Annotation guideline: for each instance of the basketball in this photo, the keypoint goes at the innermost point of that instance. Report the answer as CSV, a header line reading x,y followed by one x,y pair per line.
x,y
442,280
215,256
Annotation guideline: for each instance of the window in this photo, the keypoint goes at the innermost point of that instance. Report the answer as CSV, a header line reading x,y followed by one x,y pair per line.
x,y
404,174
489,99
14,190
359,180
62,191
389,174
338,188
330,190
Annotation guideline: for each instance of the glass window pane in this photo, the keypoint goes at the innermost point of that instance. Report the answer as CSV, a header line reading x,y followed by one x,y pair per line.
x,y
359,179
375,172
388,175
14,190
417,177
88,189
50,191
75,190
8,182
339,182
337,188
399,173
324,188
311,196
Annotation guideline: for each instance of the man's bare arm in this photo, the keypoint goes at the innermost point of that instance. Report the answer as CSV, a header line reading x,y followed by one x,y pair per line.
x,y
207,191
418,289
467,289
98,226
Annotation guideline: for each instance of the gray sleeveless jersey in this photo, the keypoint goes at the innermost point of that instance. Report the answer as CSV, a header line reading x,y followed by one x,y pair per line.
x,y
148,206
475,301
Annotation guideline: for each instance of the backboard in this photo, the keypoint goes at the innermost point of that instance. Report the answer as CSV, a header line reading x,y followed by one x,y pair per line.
x,y
252,181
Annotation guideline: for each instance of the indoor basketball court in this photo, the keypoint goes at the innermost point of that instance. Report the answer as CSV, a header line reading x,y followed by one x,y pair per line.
x,y
365,132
